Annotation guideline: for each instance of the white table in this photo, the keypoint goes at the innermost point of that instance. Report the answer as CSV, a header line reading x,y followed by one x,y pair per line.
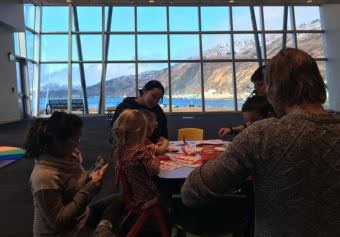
x,y
183,172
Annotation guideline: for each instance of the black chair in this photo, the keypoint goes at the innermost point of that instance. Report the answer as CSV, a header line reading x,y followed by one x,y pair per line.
x,y
224,216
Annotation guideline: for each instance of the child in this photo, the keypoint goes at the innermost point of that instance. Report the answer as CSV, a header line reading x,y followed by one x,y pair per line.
x,y
161,147
134,158
60,186
254,108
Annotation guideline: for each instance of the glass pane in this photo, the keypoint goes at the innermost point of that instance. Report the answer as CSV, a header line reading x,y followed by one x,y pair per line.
x,y
93,72
53,83
184,47
54,19
77,91
151,19
215,18
54,48
245,87
311,43
123,19
218,86
29,13
91,46
216,46
152,47
258,18
16,43
29,45
322,69
307,18
290,41
122,47
186,87
241,18
261,45
273,18
89,18
245,47
183,18
289,23
31,77
155,71
20,105
120,83
273,44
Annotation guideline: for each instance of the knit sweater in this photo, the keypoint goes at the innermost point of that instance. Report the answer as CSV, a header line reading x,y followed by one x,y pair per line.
x,y
61,194
295,163
140,169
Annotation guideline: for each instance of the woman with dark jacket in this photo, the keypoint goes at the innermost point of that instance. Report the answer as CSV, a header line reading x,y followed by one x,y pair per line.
x,y
149,98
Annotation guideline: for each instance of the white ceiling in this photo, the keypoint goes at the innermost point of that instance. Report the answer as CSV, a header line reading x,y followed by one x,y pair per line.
x,y
180,2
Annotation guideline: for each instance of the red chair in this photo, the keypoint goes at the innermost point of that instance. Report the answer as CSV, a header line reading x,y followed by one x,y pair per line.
x,y
149,209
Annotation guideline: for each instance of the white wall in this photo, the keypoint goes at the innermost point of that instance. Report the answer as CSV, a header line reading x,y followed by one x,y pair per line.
x,y
9,110
330,17
12,14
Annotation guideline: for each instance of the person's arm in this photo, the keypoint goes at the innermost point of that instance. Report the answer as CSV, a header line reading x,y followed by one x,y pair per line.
x,y
60,215
163,124
232,130
152,165
162,146
217,177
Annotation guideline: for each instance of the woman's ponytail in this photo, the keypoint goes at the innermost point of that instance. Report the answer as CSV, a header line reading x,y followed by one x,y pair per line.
x,y
36,139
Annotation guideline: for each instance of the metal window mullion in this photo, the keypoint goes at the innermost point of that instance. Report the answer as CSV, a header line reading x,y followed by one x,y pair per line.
x,y
80,57
169,64
153,61
293,22
201,57
69,61
105,37
233,57
24,86
136,52
285,23
263,35
36,84
256,36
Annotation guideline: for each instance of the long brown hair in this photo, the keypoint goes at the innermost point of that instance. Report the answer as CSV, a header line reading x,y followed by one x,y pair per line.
x,y
60,126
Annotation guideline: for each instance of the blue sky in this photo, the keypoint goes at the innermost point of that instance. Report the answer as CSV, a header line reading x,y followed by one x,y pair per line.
x,y
54,47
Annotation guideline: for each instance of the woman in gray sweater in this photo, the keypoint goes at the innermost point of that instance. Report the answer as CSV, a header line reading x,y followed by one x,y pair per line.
x,y
61,188
294,159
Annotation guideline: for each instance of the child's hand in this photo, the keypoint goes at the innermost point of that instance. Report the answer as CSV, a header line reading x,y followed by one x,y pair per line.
x,y
152,148
97,176
99,162
163,142
103,169
223,132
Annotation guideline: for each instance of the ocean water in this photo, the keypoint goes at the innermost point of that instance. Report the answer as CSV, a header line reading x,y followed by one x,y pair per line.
x,y
176,102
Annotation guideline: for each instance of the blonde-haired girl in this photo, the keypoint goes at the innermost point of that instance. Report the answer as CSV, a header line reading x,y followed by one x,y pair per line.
x,y
135,160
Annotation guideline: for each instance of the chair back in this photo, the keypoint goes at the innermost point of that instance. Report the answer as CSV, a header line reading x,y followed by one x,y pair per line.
x,y
190,134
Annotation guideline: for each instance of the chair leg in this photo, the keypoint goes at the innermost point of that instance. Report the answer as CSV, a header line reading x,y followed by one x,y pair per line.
x,y
238,234
180,232
161,221
138,224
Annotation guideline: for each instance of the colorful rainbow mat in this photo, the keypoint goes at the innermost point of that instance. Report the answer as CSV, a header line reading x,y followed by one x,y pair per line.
x,y
9,154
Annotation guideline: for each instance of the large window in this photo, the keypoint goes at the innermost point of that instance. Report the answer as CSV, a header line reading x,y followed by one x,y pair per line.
x,y
203,55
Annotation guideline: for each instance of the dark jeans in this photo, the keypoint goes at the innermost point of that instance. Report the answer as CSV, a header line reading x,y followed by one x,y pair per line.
x,y
110,208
